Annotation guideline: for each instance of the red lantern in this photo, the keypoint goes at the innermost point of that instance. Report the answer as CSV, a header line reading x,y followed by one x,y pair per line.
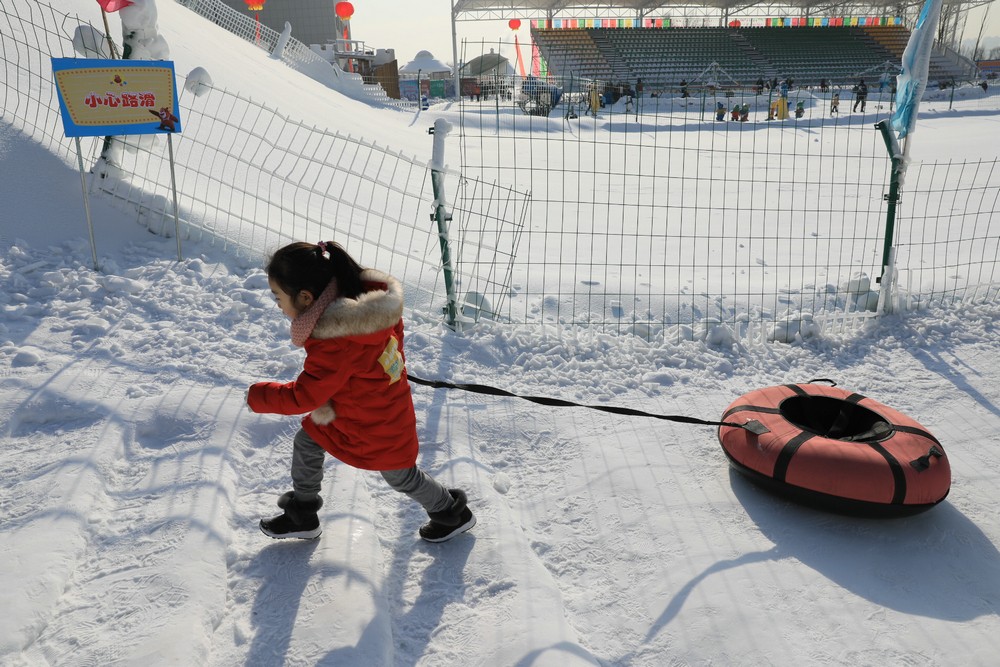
x,y
514,24
344,10
255,6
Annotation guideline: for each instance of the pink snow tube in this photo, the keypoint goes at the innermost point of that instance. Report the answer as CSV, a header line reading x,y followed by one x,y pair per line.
x,y
838,450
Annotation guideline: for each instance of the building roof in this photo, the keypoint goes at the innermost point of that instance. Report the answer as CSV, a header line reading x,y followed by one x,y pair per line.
x,y
426,63
484,63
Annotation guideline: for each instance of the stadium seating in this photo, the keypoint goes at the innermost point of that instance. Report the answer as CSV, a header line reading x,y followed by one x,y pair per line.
x,y
727,57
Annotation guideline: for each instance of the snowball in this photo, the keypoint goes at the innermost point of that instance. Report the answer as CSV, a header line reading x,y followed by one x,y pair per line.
x,y
476,305
794,326
719,334
859,282
501,482
91,43
198,82
26,357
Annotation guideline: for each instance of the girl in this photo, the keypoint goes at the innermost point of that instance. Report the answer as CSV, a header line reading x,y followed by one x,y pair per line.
x,y
353,385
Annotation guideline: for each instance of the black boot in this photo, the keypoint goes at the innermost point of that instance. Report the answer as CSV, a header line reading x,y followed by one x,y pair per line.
x,y
299,519
451,522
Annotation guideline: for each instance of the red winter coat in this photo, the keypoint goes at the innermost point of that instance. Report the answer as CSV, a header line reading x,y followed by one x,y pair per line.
x,y
353,382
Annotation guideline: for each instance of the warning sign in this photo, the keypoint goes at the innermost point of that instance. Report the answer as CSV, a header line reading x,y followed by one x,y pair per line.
x,y
115,97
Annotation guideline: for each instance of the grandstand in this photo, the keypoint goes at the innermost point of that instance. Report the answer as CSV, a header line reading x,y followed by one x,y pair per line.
x,y
662,57
718,43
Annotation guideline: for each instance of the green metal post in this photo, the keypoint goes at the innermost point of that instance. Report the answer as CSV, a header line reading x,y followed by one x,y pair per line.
x,y
443,217
890,213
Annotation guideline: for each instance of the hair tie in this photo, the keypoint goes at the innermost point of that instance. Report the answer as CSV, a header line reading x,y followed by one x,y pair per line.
x,y
327,247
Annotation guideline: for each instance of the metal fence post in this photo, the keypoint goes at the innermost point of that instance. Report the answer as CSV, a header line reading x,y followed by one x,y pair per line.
x,y
890,214
443,217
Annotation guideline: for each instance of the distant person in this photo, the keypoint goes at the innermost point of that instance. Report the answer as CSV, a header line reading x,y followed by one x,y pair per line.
x,y
684,88
823,85
638,88
800,110
758,87
860,95
744,113
835,104
594,99
784,88
720,111
735,115
353,389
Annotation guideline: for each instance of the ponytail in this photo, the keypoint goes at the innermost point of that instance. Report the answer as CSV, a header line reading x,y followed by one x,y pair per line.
x,y
310,266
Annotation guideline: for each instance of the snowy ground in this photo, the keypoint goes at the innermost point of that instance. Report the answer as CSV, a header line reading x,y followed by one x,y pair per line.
x,y
133,479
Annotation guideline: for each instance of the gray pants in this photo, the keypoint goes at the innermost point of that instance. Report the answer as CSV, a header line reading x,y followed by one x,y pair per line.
x,y
307,477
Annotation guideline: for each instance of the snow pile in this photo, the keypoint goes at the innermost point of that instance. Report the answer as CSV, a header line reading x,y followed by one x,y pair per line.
x,y
141,38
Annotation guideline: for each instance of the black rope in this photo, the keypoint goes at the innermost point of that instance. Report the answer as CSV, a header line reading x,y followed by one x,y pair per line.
x,y
752,425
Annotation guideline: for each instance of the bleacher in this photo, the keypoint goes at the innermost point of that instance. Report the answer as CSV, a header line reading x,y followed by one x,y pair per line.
x,y
573,53
668,55
810,54
662,57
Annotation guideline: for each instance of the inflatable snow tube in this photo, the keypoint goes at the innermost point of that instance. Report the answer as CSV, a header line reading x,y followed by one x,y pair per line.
x,y
836,450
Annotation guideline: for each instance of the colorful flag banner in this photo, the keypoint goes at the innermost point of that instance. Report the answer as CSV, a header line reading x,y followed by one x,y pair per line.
x,y
520,60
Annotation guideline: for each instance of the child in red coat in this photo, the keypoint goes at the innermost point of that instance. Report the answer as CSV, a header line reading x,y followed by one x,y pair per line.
x,y
353,387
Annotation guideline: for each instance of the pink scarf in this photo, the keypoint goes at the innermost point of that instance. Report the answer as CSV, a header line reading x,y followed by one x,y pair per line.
x,y
303,325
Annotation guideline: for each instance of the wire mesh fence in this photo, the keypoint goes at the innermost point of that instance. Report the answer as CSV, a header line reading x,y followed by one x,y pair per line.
x,y
718,209
252,178
714,211
934,262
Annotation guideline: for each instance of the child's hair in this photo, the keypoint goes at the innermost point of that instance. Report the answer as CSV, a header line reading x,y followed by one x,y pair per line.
x,y
309,266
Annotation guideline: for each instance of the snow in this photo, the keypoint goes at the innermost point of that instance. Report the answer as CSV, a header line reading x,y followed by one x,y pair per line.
x,y
134,477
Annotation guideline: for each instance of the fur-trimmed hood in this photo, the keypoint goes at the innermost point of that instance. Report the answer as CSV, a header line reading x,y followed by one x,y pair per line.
x,y
379,307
